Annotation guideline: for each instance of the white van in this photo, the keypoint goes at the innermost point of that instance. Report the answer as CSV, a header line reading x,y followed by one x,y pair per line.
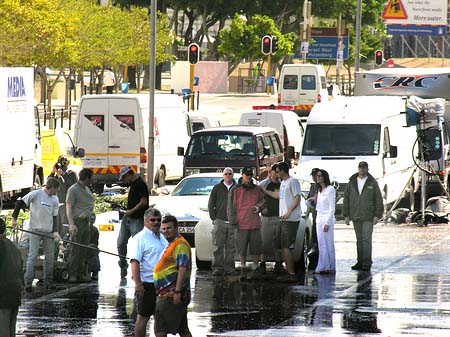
x,y
342,132
287,123
113,131
302,86
200,122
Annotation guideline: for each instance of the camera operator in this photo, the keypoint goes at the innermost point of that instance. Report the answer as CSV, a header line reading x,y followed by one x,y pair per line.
x,y
66,179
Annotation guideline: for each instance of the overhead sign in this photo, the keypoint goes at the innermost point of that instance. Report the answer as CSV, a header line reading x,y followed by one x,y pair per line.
x,y
416,12
416,30
394,10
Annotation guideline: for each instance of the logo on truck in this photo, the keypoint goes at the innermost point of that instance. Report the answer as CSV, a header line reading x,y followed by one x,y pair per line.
x,y
16,86
401,82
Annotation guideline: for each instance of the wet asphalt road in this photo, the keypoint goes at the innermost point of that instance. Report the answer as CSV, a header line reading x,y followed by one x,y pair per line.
x,y
407,293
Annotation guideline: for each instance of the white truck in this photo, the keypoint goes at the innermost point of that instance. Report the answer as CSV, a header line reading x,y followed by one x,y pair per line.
x,y
17,131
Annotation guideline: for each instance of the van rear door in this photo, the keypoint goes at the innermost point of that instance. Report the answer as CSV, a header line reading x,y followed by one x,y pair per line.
x,y
301,85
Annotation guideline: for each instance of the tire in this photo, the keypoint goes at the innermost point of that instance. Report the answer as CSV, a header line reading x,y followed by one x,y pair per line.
x,y
202,265
98,188
301,265
160,177
64,275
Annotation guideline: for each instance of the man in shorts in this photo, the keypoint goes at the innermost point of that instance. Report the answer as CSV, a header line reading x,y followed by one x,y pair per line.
x,y
172,283
145,250
245,202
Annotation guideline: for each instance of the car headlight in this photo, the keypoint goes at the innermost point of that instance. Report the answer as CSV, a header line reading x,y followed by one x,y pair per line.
x,y
190,171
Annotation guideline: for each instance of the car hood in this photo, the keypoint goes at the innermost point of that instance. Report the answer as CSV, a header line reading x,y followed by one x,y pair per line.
x,y
184,208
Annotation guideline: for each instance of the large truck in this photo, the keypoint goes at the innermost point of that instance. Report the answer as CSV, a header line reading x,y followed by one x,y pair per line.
x,y
17,131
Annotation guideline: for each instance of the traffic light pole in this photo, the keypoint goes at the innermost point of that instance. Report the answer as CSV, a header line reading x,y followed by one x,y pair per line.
x,y
191,86
269,57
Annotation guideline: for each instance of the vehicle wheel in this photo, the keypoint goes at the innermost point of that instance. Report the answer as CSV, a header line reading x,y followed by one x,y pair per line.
x,y
301,265
64,275
98,188
160,177
202,265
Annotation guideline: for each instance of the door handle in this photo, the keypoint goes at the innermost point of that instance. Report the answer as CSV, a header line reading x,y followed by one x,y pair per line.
x,y
114,146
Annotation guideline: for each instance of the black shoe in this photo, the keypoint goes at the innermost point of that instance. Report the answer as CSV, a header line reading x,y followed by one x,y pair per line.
x,y
356,267
261,269
365,268
279,269
40,283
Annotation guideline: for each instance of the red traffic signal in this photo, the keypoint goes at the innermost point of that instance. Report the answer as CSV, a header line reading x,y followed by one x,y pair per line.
x,y
193,53
266,44
379,57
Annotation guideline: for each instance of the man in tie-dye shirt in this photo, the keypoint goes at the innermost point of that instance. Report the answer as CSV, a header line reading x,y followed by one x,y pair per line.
x,y
171,278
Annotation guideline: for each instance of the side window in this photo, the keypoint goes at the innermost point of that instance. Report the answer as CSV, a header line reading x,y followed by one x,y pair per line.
x,y
323,81
260,143
445,133
276,144
290,82
268,142
386,141
308,82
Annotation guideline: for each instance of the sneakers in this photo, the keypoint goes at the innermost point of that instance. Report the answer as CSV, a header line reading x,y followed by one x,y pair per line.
x,y
28,286
279,269
261,269
217,272
288,278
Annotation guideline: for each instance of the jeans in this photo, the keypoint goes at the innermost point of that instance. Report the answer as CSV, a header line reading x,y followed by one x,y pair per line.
x,y
224,246
48,244
78,257
363,231
129,228
8,318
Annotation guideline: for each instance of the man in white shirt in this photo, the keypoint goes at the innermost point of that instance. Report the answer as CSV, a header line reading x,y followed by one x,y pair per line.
x,y
146,249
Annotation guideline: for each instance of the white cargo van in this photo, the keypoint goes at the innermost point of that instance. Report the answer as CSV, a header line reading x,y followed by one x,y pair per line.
x,y
200,122
302,86
113,131
287,123
342,132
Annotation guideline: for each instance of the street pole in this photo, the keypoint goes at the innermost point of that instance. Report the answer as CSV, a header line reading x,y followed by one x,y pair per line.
x,y
340,50
191,86
152,69
358,34
268,73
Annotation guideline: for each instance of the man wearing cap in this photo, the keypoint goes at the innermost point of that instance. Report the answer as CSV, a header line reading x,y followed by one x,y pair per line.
x,y
245,201
133,220
363,204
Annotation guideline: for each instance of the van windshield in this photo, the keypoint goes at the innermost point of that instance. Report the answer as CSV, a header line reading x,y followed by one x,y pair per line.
x,y
342,140
222,145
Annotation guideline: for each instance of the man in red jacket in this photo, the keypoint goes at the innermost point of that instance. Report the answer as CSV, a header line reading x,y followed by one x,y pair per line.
x,y
245,202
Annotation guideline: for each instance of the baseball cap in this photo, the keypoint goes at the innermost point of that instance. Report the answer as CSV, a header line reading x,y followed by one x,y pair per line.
x,y
248,171
314,171
363,164
123,171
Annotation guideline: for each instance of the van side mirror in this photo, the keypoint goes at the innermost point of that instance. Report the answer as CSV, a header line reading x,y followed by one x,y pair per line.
x,y
290,153
79,153
180,151
392,151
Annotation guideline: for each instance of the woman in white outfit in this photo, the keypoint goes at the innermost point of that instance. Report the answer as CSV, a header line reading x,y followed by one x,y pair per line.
x,y
326,203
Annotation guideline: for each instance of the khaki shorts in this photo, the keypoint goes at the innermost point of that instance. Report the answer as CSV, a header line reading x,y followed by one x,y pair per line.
x,y
285,234
169,317
249,238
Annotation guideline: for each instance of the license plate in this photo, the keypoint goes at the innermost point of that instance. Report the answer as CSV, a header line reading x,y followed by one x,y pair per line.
x,y
186,229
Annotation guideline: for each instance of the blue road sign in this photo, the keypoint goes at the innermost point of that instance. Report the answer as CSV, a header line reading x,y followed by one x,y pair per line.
x,y
416,29
324,47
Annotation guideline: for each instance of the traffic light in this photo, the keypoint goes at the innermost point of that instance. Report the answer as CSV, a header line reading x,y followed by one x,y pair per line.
x,y
193,53
379,57
274,45
387,52
266,44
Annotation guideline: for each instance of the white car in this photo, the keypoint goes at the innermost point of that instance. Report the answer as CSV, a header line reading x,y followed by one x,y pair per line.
x,y
204,247
188,202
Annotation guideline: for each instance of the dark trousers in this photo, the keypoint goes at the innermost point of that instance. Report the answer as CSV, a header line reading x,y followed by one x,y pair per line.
x,y
78,256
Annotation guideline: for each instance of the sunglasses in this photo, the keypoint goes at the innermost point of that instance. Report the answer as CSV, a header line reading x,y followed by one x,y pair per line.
x,y
154,220
228,174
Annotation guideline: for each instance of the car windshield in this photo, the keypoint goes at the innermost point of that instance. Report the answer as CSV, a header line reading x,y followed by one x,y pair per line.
x,y
342,140
196,186
222,145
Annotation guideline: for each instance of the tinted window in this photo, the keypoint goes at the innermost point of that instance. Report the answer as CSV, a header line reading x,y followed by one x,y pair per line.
x,y
290,82
268,142
259,139
324,82
221,145
341,140
276,144
308,82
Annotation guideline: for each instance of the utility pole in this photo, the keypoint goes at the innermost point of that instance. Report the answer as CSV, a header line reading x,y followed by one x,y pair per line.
x,y
340,52
305,31
358,34
152,69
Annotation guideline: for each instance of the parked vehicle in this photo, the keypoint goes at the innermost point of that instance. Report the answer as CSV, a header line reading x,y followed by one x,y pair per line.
x,y
286,122
113,131
211,150
342,132
189,202
302,86
17,132
200,122
204,246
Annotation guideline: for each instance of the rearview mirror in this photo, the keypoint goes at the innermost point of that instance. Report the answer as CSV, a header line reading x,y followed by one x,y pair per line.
x,y
79,153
